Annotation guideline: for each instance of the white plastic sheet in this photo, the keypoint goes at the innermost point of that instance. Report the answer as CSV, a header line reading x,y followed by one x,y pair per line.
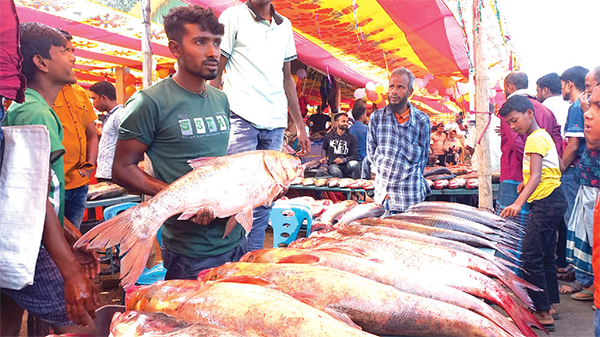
x,y
23,195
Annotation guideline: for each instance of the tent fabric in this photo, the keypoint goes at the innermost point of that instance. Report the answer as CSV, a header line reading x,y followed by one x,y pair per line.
x,y
364,42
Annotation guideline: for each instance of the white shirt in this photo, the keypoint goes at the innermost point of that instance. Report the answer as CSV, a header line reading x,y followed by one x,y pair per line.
x,y
257,51
560,108
494,141
108,142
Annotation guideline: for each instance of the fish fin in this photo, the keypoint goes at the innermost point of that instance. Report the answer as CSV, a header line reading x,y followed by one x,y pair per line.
x,y
304,297
342,317
199,162
188,213
274,191
249,280
523,318
300,258
245,218
229,226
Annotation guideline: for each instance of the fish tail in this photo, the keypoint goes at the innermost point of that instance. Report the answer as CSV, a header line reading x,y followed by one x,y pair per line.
x,y
524,319
123,230
501,248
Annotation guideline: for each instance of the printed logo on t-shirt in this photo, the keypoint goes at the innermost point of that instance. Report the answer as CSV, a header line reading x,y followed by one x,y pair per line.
x,y
200,128
185,126
210,122
222,123
339,146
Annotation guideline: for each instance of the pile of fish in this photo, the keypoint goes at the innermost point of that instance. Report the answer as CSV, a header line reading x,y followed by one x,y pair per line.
x,y
336,182
453,177
419,273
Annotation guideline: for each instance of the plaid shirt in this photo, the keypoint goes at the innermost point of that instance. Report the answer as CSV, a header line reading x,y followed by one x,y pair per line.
x,y
398,154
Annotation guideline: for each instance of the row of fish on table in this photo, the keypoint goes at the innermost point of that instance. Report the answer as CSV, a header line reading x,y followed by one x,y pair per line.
x,y
365,184
453,177
415,273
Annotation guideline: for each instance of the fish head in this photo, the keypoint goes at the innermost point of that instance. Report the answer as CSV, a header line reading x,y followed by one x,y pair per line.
x,y
218,273
283,167
129,323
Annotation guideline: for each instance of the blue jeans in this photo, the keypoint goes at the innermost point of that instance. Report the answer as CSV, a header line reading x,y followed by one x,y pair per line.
x,y
597,323
569,185
366,168
75,204
350,169
245,137
584,279
187,268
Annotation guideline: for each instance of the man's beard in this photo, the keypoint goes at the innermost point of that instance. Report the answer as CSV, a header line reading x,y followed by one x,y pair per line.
x,y
400,105
343,127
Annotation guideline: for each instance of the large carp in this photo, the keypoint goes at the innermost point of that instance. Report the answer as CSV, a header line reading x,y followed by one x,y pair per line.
x,y
228,186
387,274
157,324
248,309
375,307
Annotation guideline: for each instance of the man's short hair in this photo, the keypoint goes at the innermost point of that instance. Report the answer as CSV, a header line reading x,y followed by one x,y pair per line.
x,y
575,75
596,72
516,103
66,34
338,115
175,21
357,112
104,88
36,39
550,81
405,71
518,79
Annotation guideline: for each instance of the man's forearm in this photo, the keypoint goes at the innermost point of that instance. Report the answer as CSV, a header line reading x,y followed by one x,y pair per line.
x,y
135,179
55,243
570,152
92,143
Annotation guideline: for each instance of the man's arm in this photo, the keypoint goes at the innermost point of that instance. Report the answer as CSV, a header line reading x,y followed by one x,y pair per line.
x,y
80,293
290,92
217,81
92,145
127,173
570,152
352,150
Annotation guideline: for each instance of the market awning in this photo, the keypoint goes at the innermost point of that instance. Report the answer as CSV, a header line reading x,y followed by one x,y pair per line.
x,y
361,43
104,38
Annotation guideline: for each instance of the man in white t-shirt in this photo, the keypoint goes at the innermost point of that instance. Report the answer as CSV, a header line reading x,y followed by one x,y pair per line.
x,y
104,96
256,52
549,94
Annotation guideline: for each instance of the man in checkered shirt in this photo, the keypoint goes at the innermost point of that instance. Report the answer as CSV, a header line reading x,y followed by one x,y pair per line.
x,y
398,147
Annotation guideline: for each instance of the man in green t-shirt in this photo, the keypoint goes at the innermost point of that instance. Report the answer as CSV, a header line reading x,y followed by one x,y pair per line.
x,y
61,294
175,120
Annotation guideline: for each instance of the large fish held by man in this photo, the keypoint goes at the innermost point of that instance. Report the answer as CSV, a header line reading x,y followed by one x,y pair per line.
x,y
228,186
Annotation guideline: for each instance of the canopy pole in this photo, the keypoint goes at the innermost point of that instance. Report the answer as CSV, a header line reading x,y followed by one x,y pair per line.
x,y
146,51
484,172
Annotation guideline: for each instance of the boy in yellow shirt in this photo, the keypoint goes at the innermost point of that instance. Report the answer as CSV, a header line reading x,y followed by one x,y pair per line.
x,y
541,179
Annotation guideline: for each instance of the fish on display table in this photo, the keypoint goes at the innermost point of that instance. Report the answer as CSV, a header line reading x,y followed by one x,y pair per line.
x,y
228,186
376,308
158,324
391,274
104,190
252,310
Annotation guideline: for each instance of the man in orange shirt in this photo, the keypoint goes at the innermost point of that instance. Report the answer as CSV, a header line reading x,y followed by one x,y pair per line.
x,y
76,114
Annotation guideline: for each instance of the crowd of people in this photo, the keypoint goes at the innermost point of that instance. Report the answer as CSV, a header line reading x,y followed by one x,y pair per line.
x,y
550,167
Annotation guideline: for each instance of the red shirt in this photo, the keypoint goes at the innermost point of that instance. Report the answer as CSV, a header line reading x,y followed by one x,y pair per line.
x,y
12,82
513,145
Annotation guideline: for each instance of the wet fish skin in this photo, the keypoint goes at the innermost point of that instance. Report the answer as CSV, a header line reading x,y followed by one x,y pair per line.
x,y
228,186
377,308
425,266
390,274
158,324
365,210
336,210
248,309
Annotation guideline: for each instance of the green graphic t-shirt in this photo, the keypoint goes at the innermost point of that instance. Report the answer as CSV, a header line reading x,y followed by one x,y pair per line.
x,y
179,125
